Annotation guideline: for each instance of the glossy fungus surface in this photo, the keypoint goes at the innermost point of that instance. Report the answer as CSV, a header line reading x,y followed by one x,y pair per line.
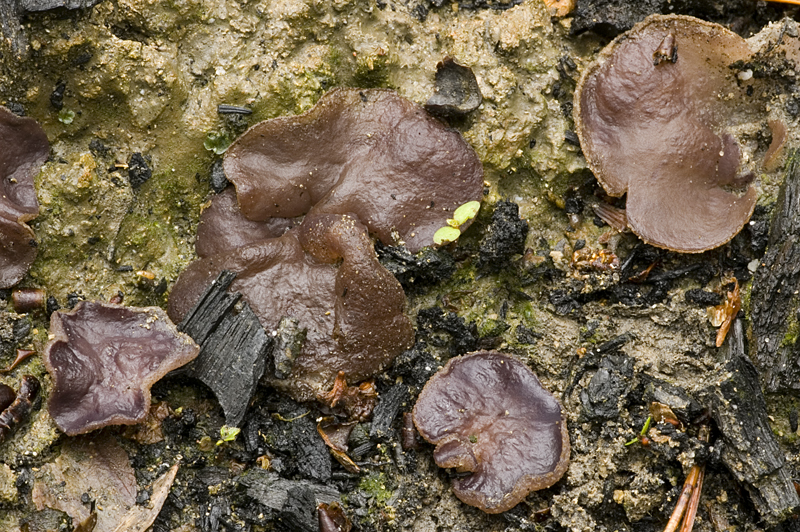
x,y
656,116
24,150
103,358
223,228
488,414
367,152
325,275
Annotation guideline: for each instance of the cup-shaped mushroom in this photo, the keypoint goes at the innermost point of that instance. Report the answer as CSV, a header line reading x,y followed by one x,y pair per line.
x,y
24,150
655,114
488,413
325,276
366,152
104,358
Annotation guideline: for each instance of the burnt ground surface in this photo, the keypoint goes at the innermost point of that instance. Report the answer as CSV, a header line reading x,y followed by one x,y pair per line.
x,y
608,340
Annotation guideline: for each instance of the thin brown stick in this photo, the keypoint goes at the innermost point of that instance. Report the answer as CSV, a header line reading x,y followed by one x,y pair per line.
x,y
683,500
793,2
691,510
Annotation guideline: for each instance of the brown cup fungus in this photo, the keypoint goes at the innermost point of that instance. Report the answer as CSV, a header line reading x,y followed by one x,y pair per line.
x,y
104,358
655,114
487,413
323,274
23,150
367,152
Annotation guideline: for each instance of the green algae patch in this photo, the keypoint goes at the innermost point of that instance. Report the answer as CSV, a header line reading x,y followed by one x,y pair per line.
x,y
374,486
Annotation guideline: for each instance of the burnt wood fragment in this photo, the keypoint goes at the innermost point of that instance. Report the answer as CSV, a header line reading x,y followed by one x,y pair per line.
x,y
774,300
233,347
389,406
750,450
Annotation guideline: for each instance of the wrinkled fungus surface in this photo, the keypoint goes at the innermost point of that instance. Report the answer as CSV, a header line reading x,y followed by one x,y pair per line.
x,y
487,413
24,150
655,115
103,358
367,152
324,274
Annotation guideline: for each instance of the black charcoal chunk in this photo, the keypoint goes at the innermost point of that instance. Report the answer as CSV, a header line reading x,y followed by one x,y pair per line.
x,y
703,298
464,337
233,347
218,179
212,306
686,408
774,300
505,237
456,91
750,450
429,266
289,339
389,405
605,395
138,170
272,490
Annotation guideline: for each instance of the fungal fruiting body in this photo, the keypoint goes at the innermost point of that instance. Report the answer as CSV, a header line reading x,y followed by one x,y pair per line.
x,y
488,414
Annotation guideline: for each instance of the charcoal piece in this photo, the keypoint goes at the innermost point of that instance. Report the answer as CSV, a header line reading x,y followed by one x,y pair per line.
x,y
505,237
389,405
703,298
218,180
233,347
299,512
429,266
272,490
605,395
464,337
774,298
295,434
456,91
57,96
750,450
44,5
527,336
686,408
12,30
289,339
609,18
138,170
416,365
212,306
232,360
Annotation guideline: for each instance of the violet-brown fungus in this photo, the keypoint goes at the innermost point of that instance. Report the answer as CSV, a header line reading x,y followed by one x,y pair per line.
x,y
366,152
324,274
655,115
24,150
487,413
103,359
223,228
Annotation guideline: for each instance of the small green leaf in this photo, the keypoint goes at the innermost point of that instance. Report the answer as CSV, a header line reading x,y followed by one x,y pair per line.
x,y
227,433
445,235
466,212
65,116
217,142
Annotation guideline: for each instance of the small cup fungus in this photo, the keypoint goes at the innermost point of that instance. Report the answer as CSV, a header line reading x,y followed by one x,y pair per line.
x,y
324,274
367,152
487,413
104,358
655,115
25,149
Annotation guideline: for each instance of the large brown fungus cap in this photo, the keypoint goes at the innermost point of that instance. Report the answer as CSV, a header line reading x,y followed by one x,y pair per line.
x,y
103,358
367,152
655,116
23,150
487,413
324,274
